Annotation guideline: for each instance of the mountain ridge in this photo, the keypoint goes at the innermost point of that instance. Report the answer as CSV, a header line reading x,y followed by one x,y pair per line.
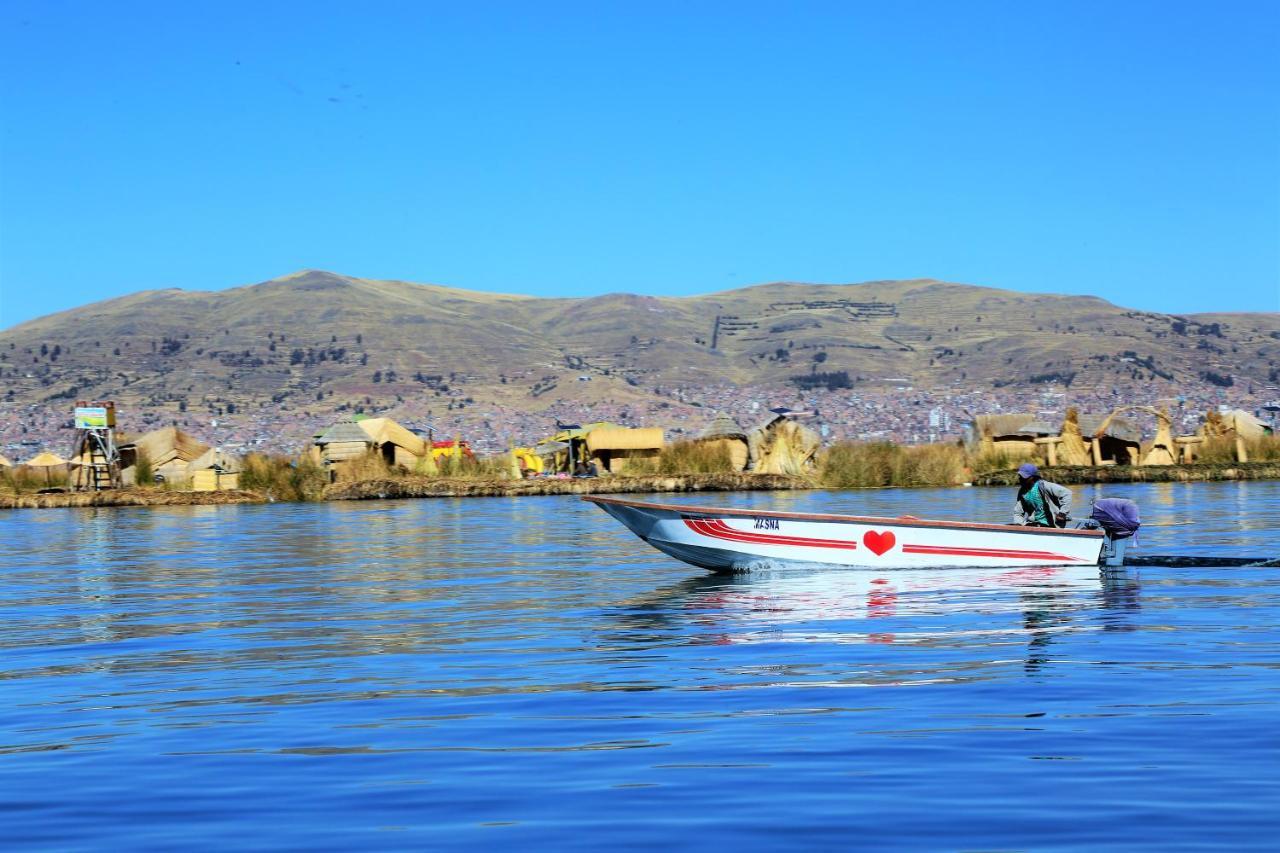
x,y
319,344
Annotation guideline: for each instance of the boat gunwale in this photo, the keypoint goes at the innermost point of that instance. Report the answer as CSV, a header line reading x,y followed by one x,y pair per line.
x,y
901,521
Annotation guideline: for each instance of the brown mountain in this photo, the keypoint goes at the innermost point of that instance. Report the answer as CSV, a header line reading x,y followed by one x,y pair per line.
x,y
320,341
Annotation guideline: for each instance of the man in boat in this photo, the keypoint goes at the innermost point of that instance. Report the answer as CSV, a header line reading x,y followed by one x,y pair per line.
x,y
1040,503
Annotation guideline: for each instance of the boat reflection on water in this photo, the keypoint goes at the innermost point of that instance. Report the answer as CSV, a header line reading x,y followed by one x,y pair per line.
x,y
909,607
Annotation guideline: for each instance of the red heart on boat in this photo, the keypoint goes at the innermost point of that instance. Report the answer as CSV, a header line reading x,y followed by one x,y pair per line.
x,y
878,543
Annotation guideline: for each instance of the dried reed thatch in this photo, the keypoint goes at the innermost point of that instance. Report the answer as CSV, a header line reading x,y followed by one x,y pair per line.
x,y
782,446
624,438
167,450
726,436
397,445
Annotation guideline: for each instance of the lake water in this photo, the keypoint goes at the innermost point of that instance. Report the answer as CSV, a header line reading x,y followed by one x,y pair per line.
x,y
525,673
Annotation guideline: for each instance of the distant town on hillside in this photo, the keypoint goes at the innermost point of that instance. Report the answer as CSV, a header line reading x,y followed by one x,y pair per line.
x,y
268,366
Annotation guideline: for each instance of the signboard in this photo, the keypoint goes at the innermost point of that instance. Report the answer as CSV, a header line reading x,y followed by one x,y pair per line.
x,y
91,417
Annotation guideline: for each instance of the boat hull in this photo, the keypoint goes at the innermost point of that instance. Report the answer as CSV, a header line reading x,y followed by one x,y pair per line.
x,y
727,540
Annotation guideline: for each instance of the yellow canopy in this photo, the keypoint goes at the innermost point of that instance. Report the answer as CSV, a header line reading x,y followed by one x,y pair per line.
x,y
45,460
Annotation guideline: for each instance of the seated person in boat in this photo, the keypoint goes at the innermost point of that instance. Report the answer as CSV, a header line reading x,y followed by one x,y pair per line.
x,y
1040,503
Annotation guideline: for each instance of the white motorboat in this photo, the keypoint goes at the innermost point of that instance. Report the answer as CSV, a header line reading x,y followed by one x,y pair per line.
x,y
740,539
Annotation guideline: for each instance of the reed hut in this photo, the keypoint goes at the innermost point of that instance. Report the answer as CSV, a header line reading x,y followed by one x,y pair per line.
x,y
780,445
1235,425
396,445
1005,433
614,448
1246,424
554,455
342,442
215,470
1085,439
53,467
169,450
5,463
574,437
1118,441
725,433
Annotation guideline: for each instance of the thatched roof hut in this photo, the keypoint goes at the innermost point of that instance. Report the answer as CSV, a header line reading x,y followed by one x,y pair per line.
x,y
1120,443
725,433
51,466
1011,434
216,458
168,449
614,447
1246,424
397,444
722,427
1121,429
215,469
5,463
45,460
344,440
574,437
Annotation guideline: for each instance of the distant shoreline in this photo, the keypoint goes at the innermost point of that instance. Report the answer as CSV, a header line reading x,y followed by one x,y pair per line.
x,y
440,487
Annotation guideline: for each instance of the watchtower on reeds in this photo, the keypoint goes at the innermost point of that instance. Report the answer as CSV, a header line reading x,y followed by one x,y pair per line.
x,y
95,457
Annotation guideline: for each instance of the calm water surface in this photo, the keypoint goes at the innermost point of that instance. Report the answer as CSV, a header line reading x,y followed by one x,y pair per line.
x,y
525,673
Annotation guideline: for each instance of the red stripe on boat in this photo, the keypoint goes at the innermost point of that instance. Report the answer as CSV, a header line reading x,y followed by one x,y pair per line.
x,y
987,552
717,529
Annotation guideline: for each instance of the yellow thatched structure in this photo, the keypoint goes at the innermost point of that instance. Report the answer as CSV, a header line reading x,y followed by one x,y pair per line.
x,y
1235,425
1082,439
525,460
1161,450
1245,424
612,447
397,445
5,463
567,449
169,450
215,470
782,446
53,467
343,441
725,432
1006,433
1073,448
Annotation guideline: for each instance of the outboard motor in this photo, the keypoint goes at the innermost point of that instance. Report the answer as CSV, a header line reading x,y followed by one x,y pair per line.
x,y
1118,518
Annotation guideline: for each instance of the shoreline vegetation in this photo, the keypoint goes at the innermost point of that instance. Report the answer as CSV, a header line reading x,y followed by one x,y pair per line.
x,y
682,467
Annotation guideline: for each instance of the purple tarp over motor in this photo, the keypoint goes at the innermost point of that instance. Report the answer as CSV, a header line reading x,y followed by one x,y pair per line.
x,y
1117,516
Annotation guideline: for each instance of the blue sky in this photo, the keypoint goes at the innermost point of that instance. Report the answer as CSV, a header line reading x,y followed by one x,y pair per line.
x,y
1129,150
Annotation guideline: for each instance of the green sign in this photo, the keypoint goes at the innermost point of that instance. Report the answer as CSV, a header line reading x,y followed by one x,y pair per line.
x,y
91,418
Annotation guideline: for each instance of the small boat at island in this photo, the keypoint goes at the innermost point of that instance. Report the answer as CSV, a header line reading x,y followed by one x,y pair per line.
x,y
728,540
